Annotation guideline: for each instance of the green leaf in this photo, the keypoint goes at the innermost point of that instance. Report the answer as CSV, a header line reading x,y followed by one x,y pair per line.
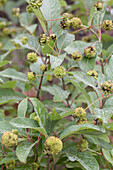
x,y
107,155
48,48
21,122
41,19
109,70
82,90
56,61
85,159
87,64
3,63
53,6
22,108
54,115
25,21
8,159
12,73
59,94
40,110
8,95
32,41
67,113
64,40
109,126
80,76
63,3
8,84
23,150
76,128
3,56
91,16
5,126
77,46
104,114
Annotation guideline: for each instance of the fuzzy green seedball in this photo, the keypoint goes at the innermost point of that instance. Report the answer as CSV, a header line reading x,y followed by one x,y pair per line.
x,y
90,52
107,87
93,74
82,145
59,72
43,39
107,25
36,3
98,5
15,131
77,56
16,12
9,139
65,24
53,145
53,37
31,76
79,112
32,57
11,164
76,22
43,67
24,40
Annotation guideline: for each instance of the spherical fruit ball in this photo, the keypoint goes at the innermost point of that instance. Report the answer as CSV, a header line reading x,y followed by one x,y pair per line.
x,y
65,24
24,40
107,25
31,76
43,67
93,74
53,37
77,56
76,22
98,5
107,87
32,57
42,39
79,112
53,145
59,72
9,139
90,52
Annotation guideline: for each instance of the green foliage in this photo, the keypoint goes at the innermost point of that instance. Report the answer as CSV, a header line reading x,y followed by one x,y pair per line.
x,y
56,81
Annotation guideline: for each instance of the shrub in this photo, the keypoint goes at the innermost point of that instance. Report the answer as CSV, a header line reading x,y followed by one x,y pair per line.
x,y
56,84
